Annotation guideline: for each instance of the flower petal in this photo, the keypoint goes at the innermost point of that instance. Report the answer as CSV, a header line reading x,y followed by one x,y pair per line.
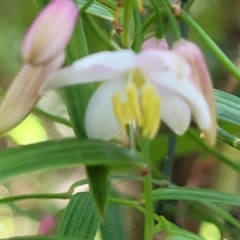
x,y
154,43
100,120
44,41
201,79
175,113
153,62
185,89
96,67
20,98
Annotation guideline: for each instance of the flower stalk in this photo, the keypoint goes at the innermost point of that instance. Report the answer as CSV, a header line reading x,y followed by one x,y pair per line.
x,y
147,183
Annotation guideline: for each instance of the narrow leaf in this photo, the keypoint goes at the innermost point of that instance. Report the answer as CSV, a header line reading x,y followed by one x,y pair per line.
x,y
80,219
228,138
228,107
201,195
77,97
97,9
99,186
63,153
113,224
167,228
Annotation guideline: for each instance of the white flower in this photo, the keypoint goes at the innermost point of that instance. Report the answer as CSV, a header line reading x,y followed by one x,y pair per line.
x,y
140,88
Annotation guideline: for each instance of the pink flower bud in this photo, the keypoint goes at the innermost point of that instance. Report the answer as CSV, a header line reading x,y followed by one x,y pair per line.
x,y
50,32
201,79
47,225
154,43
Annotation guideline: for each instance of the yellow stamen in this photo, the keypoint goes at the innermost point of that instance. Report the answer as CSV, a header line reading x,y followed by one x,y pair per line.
x,y
150,108
127,113
133,101
121,110
156,119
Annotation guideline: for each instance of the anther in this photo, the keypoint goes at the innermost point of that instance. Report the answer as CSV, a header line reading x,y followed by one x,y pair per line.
x,y
151,111
133,101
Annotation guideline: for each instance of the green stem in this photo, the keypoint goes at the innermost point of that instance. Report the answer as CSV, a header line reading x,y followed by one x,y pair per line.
x,y
210,44
85,6
131,204
190,133
158,17
110,44
137,41
36,196
147,183
148,21
188,4
126,22
132,137
183,25
52,117
167,171
128,203
77,184
176,34
122,177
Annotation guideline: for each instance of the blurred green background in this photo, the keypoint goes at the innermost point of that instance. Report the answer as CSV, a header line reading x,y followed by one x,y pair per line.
x,y
219,18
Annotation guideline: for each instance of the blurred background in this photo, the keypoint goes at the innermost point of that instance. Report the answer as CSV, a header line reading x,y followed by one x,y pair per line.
x,y
221,20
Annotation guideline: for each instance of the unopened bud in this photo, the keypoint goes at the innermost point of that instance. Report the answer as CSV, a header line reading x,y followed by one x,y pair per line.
x,y
50,32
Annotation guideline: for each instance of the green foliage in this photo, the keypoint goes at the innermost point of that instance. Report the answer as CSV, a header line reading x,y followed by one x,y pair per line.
x,y
80,220
63,153
112,25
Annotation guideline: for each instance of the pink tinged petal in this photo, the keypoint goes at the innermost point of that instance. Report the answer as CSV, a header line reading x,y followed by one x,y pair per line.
x,y
22,95
100,120
153,62
201,78
187,91
176,113
57,62
154,43
96,67
50,32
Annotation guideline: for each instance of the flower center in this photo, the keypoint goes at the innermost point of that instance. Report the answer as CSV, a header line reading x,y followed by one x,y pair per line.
x,y
141,107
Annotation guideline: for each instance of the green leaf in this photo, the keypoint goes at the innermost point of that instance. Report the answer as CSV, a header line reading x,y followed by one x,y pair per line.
x,y
97,9
181,235
39,238
201,195
222,213
173,232
77,97
228,138
228,107
99,186
113,224
80,219
63,153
